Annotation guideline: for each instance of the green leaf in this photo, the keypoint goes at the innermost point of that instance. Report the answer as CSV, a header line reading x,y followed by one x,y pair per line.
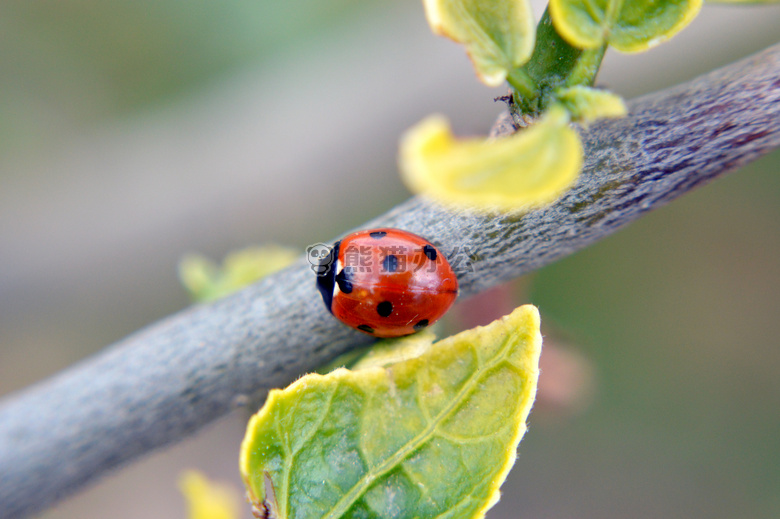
x,y
527,169
498,35
433,435
627,25
205,281
586,104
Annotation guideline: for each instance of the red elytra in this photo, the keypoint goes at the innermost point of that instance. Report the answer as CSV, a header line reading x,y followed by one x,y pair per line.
x,y
386,282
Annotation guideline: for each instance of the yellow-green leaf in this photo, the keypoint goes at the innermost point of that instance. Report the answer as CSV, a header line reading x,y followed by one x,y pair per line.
x,y
498,35
587,104
627,25
208,500
528,169
382,352
206,281
433,435
390,351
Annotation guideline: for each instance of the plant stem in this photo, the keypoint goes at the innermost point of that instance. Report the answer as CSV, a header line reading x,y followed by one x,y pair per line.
x,y
554,63
522,83
587,66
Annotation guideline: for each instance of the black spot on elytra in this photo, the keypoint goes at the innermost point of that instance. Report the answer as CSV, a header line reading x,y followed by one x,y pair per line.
x,y
422,324
378,235
365,328
344,279
384,309
430,252
390,263
326,281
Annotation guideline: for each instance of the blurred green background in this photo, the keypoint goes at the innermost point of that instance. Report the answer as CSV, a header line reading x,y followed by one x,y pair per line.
x,y
134,132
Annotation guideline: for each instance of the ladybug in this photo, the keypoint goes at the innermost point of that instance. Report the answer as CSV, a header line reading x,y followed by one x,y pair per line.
x,y
386,282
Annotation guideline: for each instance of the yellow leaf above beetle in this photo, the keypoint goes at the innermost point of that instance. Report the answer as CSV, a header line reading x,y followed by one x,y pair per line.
x,y
527,169
627,25
499,35
586,104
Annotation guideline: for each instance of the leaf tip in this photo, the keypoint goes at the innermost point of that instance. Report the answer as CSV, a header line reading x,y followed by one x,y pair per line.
x,y
206,499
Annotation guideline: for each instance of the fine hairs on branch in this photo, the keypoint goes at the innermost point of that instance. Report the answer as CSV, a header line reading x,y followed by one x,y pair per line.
x,y
167,381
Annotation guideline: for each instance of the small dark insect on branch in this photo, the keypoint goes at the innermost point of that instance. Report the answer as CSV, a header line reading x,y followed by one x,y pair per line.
x,y
167,381
505,99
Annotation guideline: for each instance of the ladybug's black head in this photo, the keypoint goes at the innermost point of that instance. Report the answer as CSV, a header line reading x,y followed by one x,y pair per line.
x,y
326,275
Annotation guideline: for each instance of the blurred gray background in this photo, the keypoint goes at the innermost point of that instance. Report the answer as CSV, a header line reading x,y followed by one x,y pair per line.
x,y
132,133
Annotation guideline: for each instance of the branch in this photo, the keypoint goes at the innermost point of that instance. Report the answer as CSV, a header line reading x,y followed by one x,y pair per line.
x,y
168,380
